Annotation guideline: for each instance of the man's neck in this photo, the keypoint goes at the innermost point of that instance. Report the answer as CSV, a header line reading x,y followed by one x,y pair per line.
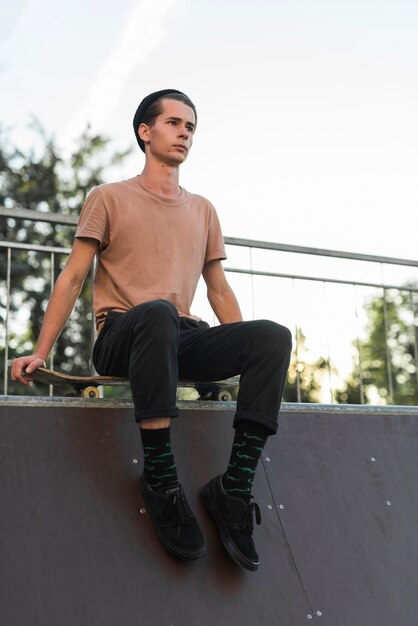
x,y
161,178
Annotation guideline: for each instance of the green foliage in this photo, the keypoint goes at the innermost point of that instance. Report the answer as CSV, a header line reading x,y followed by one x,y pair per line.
x,y
387,358
43,180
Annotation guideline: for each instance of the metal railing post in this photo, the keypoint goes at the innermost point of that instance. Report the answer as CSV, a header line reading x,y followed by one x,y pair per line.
x,y
252,283
388,355
359,347
7,334
52,280
298,389
327,341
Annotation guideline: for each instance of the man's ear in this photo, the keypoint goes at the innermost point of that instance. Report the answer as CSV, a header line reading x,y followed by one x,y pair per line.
x,y
143,131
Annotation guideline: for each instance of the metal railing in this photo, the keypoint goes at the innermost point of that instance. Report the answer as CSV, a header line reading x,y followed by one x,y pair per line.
x,y
249,267
382,285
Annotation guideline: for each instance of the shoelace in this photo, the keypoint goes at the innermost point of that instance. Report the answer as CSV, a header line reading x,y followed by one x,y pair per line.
x,y
176,505
248,523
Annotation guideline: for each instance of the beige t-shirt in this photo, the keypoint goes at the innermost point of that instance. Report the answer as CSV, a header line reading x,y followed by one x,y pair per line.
x,y
151,247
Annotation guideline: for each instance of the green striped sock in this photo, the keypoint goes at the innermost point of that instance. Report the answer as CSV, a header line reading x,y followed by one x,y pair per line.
x,y
159,465
249,441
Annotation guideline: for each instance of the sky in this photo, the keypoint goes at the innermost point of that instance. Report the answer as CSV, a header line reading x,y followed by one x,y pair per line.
x,y
307,129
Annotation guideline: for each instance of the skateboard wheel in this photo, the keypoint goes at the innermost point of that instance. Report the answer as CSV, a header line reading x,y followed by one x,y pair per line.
x,y
90,392
224,396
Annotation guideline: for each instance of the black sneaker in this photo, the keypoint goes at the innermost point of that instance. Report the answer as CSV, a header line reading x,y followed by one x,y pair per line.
x,y
234,519
175,525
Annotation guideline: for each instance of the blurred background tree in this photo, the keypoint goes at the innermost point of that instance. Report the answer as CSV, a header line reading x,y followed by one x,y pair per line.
x,y
42,180
389,352
305,379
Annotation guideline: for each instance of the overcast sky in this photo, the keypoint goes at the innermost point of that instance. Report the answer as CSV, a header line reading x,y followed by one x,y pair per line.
x,y
307,132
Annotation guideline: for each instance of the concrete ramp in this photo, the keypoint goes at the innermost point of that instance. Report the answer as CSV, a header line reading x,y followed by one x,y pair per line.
x,y
338,542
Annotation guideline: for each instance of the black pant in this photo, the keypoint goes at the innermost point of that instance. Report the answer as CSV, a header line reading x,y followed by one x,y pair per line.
x,y
154,347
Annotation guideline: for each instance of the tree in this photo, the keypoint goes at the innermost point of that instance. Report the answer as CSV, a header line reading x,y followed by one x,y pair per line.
x,y
42,180
304,379
387,363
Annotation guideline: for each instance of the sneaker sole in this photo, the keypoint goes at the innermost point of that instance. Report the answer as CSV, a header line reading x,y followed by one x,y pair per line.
x,y
171,548
229,545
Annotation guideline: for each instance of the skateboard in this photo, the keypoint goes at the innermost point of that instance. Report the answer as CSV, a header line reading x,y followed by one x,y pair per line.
x,y
87,386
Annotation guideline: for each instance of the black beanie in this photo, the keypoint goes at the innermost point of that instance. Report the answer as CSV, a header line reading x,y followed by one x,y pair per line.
x,y
144,106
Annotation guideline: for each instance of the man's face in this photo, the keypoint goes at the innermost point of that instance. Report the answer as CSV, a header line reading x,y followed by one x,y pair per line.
x,y
171,136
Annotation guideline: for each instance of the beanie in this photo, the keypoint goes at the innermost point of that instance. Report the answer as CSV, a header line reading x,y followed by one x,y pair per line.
x,y
144,106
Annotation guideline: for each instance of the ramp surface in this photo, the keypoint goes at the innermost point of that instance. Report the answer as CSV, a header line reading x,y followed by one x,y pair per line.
x,y
338,540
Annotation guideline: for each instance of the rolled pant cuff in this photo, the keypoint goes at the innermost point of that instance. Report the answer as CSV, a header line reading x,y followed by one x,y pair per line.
x,y
260,418
145,414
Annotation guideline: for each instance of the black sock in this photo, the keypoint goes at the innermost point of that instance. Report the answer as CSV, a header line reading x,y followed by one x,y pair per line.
x,y
249,441
159,465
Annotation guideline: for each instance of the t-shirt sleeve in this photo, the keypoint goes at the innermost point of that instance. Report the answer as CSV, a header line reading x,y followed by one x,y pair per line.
x,y
93,220
215,247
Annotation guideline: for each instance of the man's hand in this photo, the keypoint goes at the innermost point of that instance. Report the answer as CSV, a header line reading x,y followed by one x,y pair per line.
x,y
23,367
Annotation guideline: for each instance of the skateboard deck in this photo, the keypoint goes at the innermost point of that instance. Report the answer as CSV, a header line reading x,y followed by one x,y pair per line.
x,y
87,386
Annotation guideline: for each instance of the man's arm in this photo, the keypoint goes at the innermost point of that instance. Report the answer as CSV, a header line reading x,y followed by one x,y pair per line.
x,y
220,295
65,293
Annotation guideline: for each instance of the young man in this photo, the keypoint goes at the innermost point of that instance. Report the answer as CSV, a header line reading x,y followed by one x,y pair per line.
x,y
153,241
